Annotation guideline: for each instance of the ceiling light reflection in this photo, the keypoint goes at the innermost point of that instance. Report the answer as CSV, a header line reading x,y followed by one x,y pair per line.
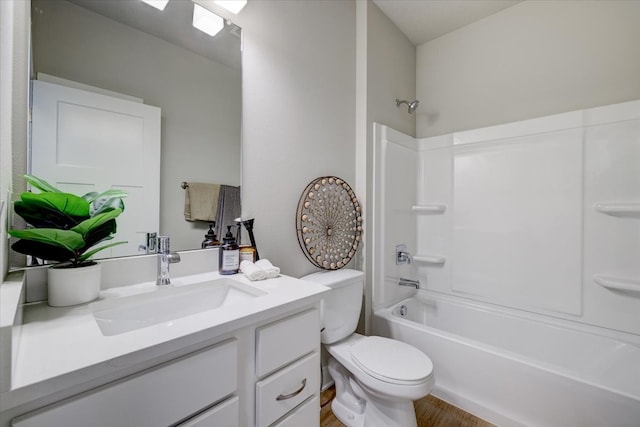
x,y
158,4
206,21
233,6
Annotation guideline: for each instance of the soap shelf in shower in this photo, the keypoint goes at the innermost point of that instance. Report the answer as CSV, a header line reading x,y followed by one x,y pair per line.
x,y
428,209
617,284
429,259
619,209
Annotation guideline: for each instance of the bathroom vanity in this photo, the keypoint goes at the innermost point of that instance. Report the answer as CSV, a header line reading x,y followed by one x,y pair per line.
x,y
249,358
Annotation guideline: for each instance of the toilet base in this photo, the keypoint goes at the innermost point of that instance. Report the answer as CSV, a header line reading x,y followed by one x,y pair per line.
x,y
355,406
346,415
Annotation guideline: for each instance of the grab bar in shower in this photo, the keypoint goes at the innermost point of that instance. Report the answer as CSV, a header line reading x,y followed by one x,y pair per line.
x,y
428,209
616,284
619,209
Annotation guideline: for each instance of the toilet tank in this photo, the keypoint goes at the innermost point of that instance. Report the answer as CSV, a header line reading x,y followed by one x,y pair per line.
x,y
340,309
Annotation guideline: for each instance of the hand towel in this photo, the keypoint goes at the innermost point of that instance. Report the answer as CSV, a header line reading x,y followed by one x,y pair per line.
x,y
272,271
228,208
201,201
252,271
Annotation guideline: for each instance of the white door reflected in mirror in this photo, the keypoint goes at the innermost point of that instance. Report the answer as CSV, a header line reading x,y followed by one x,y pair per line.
x,y
84,141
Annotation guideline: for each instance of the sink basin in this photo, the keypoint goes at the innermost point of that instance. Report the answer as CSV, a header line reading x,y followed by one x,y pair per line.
x,y
166,303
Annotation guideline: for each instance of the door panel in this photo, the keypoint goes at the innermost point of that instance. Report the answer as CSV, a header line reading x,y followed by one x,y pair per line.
x,y
84,141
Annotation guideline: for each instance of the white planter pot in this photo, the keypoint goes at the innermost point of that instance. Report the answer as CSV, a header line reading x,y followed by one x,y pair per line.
x,y
72,286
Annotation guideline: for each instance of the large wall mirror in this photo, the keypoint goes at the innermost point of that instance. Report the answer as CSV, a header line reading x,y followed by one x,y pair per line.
x,y
133,49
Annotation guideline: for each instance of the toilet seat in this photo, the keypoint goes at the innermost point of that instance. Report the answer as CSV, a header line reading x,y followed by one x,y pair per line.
x,y
391,361
382,386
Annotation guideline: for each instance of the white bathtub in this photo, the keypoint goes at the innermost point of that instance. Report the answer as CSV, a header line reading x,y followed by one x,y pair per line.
x,y
516,369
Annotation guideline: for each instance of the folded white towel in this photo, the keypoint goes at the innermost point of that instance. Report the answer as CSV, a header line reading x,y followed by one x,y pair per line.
x,y
272,271
252,271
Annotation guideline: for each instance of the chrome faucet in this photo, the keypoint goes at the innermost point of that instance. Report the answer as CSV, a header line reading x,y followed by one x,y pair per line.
x,y
402,255
409,282
165,257
150,241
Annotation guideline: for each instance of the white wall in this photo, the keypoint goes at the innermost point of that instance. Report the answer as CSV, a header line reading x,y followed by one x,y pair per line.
x,y
390,73
533,59
298,113
6,52
14,73
522,223
395,187
200,99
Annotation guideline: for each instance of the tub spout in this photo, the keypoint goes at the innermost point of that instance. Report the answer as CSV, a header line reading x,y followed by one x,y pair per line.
x,y
409,282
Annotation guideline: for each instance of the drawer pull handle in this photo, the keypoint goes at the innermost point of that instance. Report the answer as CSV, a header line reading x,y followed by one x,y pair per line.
x,y
294,394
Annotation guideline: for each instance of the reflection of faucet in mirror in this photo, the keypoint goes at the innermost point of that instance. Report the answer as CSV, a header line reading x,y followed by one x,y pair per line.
x,y
149,247
165,257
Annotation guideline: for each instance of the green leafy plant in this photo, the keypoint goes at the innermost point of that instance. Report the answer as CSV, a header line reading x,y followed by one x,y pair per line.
x,y
66,226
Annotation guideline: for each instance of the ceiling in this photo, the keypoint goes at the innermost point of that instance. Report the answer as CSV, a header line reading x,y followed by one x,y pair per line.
x,y
173,25
420,20
425,20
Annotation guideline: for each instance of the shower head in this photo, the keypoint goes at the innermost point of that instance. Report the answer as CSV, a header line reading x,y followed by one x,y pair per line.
x,y
412,105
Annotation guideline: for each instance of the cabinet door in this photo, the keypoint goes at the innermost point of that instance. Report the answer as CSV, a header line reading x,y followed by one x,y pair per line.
x,y
307,415
283,391
284,341
224,414
157,397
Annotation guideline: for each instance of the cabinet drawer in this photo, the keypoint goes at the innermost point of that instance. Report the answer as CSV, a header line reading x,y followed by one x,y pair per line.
x,y
160,396
281,392
224,414
307,415
282,342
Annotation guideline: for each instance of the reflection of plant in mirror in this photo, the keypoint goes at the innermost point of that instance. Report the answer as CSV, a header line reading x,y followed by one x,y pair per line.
x,y
66,226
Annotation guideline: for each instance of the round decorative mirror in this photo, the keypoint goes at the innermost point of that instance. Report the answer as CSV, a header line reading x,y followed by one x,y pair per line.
x,y
329,222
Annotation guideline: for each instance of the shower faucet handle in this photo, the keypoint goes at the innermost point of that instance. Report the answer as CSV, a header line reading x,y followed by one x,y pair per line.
x,y
402,255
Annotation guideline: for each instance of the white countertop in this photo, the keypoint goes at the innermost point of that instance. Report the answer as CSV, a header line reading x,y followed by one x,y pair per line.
x,y
61,347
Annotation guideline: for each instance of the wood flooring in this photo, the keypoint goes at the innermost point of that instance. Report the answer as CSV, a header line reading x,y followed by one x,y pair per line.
x,y
430,412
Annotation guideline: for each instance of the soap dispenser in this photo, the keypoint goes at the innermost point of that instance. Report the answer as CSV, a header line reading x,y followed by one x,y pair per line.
x,y
210,239
229,254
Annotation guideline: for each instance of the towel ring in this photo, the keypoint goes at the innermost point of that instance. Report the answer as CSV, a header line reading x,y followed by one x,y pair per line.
x,y
329,222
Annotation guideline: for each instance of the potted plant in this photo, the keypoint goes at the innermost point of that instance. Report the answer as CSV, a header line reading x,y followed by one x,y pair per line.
x,y
65,229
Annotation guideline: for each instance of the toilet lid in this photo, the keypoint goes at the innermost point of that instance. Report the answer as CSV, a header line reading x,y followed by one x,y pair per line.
x,y
391,360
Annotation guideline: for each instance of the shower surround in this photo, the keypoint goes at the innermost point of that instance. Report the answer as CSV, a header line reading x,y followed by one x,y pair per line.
x,y
541,217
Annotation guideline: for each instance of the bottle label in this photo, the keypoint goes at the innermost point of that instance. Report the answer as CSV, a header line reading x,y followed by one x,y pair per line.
x,y
247,256
230,260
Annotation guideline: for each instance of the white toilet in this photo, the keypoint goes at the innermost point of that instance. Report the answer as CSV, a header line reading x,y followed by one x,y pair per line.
x,y
377,379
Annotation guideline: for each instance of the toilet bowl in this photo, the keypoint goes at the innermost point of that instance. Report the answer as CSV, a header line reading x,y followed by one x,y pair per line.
x,y
377,379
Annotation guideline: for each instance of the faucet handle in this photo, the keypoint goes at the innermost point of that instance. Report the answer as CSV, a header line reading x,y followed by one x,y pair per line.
x,y
402,255
150,240
163,245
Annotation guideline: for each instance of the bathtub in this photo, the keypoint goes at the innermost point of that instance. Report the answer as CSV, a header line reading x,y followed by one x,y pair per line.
x,y
518,369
